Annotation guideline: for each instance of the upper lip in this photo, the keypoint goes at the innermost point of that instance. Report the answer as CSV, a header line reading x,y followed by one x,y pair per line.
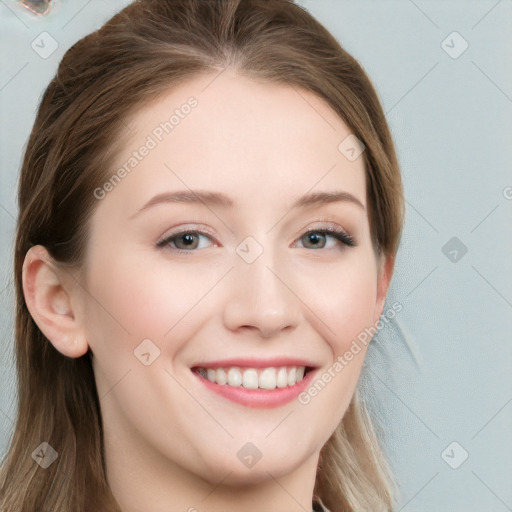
x,y
247,362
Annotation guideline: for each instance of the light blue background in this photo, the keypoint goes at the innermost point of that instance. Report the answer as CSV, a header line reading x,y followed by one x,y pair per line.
x,y
442,372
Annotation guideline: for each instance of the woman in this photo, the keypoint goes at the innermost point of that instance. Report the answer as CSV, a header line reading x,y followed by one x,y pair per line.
x,y
210,207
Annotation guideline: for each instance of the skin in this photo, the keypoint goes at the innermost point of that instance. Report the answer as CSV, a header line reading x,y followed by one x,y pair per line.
x,y
171,444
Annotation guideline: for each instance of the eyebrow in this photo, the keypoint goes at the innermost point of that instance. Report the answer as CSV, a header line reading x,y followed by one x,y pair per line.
x,y
221,200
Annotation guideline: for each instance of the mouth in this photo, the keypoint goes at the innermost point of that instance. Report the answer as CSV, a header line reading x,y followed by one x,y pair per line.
x,y
255,384
255,378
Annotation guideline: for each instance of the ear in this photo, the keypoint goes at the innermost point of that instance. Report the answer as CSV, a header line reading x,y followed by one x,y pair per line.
x,y
385,271
51,294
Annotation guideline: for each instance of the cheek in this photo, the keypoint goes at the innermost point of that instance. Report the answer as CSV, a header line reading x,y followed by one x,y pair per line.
x,y
344,297
344,302
139,297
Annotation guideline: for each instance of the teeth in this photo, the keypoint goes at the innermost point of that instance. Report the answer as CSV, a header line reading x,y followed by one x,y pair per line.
x,y
292,374
267,379
234,377
252,378
221,377
282,378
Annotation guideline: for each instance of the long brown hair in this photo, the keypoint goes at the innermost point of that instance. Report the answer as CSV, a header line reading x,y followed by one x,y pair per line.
x,y
141,53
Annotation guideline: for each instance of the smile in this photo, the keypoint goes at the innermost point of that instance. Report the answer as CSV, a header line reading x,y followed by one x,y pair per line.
x,y
256,383
254,378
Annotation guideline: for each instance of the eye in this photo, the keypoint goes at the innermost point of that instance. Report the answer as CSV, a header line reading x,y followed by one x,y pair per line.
x,y
189,240
317,238
185,241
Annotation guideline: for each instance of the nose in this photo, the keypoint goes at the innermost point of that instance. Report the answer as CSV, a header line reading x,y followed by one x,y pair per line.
x,y
261,298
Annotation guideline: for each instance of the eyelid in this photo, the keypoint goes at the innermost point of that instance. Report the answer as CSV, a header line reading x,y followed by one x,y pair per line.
x,y
188,228
329,225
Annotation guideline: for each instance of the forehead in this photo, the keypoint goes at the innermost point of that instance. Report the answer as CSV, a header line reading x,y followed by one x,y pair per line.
x,y
248,138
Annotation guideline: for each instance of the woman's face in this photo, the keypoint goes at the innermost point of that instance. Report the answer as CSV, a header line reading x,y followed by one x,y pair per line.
x,y
200,266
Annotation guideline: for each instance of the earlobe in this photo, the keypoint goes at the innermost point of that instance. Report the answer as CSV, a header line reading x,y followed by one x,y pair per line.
x,y
49,300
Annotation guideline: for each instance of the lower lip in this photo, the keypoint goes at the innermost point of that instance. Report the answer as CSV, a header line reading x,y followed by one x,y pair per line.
x,y
259,398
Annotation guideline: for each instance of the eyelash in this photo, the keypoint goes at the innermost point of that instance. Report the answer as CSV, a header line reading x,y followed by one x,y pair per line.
x,y
332,230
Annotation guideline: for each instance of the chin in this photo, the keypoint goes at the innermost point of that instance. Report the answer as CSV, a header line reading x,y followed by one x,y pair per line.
x,y
250,472
246,477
